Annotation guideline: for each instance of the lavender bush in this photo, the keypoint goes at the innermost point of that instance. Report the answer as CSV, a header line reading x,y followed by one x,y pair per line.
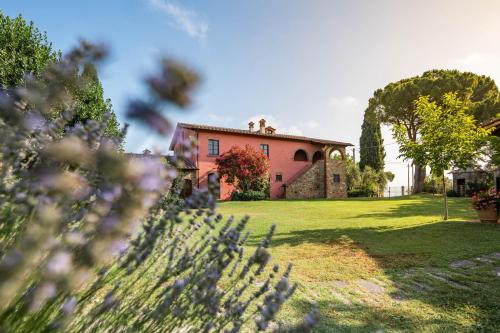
x,y
89,239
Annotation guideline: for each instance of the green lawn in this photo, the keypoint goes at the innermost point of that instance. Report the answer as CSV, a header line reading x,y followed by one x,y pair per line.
x,y
389,264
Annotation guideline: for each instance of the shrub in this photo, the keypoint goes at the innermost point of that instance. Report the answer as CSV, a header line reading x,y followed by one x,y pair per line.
x,y
246,168
476,187
485,199
363,192
249,196
452,194
95,244
434,184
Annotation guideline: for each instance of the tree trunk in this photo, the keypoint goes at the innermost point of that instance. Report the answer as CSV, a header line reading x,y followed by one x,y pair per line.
x,y
418,179
445,200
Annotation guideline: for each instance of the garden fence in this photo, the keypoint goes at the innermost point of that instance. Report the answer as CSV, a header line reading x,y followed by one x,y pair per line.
x,y
395,191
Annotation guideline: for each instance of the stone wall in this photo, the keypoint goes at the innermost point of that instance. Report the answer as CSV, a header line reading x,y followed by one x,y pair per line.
x,y
309,185
336,189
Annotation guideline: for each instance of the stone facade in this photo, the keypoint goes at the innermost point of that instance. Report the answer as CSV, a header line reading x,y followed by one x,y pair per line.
x,y
462,178
336,185
309,185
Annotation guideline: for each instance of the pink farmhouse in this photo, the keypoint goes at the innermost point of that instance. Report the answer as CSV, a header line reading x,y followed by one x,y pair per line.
x,y
299,169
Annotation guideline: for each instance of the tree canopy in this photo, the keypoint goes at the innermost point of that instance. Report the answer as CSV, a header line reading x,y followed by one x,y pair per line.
x,y
91,103
395,103
448,136
26,51
23,50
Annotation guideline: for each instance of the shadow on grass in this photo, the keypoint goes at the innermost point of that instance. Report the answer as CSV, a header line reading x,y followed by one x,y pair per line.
x,y
429,243
362,318
423,206
423,248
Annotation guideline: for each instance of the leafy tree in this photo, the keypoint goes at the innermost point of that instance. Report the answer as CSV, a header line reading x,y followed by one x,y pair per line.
x,y
245,167
368,182
494,148
395,104
353,174
433,184
371,144
448,137
23,50
91,104
495,144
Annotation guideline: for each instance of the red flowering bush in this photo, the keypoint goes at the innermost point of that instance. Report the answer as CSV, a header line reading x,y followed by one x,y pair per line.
x,y
246,168
485,199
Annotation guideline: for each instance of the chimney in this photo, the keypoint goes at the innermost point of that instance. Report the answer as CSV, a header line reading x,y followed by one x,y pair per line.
x,y
250,126
262,126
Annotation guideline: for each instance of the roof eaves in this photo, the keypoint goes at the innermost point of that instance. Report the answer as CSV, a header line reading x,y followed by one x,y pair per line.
x,y
246,132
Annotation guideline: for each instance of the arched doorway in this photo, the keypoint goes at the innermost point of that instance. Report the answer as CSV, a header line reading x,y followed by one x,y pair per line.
x,y
317,156
300,155
187,188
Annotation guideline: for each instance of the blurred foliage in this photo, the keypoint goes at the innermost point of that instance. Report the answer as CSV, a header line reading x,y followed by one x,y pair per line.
x,y
89,240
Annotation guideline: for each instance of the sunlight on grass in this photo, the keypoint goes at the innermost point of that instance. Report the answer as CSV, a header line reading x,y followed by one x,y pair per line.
x,y
382,264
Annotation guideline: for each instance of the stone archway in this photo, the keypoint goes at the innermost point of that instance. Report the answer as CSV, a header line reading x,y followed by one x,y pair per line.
x,y
336,154
335,172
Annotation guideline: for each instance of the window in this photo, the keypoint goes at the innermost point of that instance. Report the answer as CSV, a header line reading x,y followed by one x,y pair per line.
x,y
213,147
300,155
279,177
265,149
336,178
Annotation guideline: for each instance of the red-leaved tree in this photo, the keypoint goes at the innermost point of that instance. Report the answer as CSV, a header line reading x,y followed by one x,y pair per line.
x,y
246,168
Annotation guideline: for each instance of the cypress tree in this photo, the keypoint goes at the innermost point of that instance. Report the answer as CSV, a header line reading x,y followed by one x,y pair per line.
x,y
371,144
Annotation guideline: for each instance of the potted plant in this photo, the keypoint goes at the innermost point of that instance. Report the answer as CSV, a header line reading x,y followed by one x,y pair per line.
x,y
486,203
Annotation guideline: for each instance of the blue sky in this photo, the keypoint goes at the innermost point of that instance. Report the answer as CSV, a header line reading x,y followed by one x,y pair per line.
x,y
309,67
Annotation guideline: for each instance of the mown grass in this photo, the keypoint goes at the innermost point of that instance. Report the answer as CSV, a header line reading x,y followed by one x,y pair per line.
x,y
401,244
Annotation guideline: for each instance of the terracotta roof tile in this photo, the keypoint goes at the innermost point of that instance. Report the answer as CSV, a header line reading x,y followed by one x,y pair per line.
x,y
247,132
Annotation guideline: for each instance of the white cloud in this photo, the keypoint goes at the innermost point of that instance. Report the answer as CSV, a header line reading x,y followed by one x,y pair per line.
x,y
342,102
185,19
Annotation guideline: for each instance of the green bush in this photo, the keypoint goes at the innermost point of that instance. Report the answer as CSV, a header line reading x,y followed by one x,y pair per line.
x,y
452,193
249,196
476,187
361,192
